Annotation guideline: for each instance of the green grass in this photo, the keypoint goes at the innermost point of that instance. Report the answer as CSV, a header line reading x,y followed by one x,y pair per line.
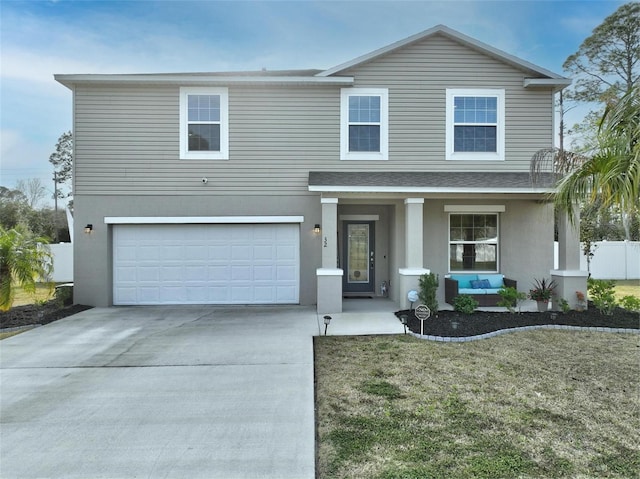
x,y
43,293
627,288
543,404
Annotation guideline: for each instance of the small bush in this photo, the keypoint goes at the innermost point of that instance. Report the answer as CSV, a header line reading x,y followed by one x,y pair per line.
x,y
630,303
601,292
509,298
427,294
64,295
564,305
465,304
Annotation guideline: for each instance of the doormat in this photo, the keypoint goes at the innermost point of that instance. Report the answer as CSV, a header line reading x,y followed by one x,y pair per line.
x,y
357,297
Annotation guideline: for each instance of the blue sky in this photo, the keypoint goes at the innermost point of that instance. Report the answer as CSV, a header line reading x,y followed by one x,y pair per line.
x,y
41,38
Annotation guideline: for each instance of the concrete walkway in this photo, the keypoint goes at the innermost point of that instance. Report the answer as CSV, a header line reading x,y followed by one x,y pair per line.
x,y
363,316
171,392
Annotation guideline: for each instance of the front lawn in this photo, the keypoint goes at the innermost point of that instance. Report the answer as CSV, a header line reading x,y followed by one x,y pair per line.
x,y
539,404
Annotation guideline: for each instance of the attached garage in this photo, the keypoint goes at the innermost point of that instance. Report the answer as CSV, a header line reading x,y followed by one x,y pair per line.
x,y
257,263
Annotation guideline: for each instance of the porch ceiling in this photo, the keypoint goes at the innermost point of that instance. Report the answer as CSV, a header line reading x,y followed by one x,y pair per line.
x,y
429,182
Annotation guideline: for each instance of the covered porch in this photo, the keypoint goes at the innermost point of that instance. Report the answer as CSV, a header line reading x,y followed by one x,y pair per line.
x,y
381,231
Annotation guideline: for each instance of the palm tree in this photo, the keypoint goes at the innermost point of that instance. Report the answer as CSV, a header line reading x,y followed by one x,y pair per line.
x,y
24,260
612,173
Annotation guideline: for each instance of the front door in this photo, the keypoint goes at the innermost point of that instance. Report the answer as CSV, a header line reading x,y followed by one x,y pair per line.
x,y
359,260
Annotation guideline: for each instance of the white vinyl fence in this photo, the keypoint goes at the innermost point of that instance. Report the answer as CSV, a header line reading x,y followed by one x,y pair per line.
x,y
611,260
62,262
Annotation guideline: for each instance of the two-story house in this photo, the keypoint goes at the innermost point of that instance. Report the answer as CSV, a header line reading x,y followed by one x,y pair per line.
x,y
302,187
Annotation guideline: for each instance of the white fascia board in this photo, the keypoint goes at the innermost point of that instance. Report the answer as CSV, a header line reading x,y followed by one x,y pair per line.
x,y
182,220
546,82
166,79
422,189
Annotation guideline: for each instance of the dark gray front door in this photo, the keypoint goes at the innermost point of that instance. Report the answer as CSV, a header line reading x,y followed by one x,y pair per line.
x,y
359,260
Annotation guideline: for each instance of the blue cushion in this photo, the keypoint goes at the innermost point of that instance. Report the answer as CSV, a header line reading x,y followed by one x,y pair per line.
x,y
495,280
471,291
464,280
480,284
492,290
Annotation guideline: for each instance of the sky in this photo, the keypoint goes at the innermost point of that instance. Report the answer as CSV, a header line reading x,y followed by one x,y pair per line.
x,y
41,38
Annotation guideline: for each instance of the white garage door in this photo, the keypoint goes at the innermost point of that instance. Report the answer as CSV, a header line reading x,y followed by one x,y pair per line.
x,y
206,264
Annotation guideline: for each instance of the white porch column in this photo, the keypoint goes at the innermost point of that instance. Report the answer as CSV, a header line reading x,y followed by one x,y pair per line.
x,y
568,276
414,244
329,276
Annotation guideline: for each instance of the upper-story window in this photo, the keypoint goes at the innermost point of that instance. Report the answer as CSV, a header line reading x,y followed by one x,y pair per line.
x,y
364,124
204,123
475,124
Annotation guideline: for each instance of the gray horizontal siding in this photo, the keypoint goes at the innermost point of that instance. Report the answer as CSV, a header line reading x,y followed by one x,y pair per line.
x,y
127,137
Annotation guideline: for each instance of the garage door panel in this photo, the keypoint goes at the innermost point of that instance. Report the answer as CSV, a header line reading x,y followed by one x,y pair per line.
x,y
263,273
215,264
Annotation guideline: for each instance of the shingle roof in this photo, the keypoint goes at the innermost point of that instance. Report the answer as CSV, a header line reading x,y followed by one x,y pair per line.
x,y
320,180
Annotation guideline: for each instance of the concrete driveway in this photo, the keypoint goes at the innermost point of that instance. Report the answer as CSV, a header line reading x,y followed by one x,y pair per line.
x,y
172,392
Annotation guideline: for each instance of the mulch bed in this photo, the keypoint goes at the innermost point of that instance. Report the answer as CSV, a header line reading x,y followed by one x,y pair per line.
x,y
482,322
33,314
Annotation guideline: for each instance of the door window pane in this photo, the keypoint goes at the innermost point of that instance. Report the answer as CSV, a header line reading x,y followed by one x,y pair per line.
x,y
358,253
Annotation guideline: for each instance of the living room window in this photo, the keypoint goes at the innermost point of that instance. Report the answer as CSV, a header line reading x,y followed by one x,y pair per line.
x,y
475,124
204,123
364,124
473,242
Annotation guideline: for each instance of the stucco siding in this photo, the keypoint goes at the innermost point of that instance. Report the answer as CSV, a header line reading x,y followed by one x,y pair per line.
x,y
93,275
525,239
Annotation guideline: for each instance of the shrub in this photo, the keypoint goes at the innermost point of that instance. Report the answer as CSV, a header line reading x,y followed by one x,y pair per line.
x,y
630,303
64,295
564,305
465,303
427,294
601,292
509,298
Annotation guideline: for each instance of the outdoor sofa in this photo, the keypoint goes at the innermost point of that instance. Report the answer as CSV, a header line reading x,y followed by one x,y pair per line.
x,y
482,287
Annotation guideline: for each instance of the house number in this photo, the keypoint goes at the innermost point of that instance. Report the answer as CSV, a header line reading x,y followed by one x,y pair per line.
x,y
326,243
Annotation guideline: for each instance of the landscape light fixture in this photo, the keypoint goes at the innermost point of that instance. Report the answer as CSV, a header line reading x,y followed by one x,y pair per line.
x,y
327,320
404,318
88,229
316,229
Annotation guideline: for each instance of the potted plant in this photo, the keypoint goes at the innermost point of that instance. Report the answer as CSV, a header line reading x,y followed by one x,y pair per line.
x,y
542,292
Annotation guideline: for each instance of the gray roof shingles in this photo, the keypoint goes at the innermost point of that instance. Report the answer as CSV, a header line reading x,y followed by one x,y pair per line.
x,y
425,179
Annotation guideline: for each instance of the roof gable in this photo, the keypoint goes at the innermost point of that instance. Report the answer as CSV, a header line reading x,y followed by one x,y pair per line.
x,y
530,68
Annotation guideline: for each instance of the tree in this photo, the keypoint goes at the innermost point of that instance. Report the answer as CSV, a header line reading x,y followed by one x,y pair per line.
x,y
611,175
33,190
607,64
13,207
24,260
62,161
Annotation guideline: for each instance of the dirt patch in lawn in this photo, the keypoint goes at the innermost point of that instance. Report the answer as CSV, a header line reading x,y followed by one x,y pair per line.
x,y
456,324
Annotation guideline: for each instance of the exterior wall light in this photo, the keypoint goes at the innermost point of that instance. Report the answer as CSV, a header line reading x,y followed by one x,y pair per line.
x,y
316,229
88,229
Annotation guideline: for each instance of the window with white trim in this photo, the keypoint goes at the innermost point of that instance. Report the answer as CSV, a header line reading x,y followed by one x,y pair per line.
x,y
475,124
204,123
473,242
364,124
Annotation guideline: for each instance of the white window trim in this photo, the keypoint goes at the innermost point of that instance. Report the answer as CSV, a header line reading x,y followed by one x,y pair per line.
x,y
496,242
345,154
500,130
223,154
